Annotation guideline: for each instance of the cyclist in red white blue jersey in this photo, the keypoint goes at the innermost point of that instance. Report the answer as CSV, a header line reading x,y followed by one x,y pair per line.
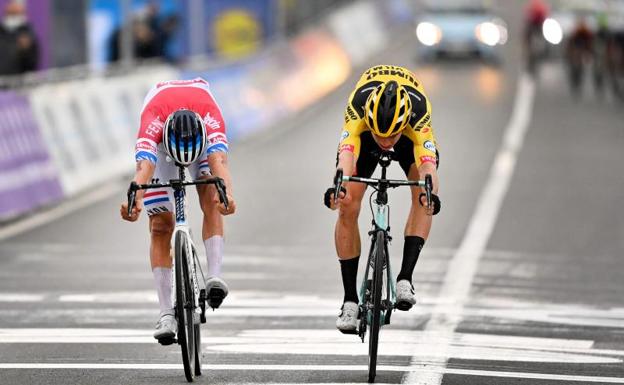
x,y
187,107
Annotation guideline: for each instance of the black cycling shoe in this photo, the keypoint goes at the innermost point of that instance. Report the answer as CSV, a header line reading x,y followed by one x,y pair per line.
x,y
216,291
403,305
165,341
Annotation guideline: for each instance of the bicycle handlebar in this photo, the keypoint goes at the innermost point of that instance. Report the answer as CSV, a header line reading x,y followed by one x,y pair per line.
x,y
427,183
392,183
176,183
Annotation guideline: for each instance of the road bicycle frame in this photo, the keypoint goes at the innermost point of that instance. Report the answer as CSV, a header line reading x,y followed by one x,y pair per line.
x,y
182,226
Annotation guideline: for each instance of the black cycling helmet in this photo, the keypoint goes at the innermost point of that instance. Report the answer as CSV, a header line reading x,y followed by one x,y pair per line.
x,y
388,109
184,136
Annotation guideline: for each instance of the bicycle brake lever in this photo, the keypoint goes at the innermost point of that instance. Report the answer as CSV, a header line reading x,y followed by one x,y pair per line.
x,y
220,186
338,183
132,196
428,189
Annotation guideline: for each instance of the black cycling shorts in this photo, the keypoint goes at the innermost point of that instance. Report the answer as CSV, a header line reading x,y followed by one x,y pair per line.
x,y
367,161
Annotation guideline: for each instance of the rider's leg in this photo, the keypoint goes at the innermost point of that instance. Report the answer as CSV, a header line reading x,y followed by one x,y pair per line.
x,y
212,229
416,230
161,228
347,238
212,234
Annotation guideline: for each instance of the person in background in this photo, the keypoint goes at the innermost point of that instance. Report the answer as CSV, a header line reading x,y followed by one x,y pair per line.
x,y
18,43
536,13
579,53
150,34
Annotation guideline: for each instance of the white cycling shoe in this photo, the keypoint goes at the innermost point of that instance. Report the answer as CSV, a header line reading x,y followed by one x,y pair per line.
x,y
166,329
405,297
347,321
216,291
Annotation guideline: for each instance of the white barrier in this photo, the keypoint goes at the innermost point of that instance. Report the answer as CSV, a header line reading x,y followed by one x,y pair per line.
x,y
90,125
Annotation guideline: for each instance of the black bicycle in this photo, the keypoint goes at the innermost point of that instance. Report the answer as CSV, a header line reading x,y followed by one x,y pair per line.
x,y
378,289
190,293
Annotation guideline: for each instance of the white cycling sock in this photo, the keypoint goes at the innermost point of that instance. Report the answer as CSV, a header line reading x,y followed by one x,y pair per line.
x,y
214,255
162,278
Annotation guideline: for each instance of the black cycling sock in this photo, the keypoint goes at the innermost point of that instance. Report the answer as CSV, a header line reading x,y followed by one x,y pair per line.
x,y
349,268
411,251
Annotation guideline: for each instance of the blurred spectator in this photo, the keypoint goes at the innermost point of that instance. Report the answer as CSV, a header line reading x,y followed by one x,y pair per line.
x,y
579,52
150,34
18,42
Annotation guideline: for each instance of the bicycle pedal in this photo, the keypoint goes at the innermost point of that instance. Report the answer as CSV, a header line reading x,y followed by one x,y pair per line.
x,y
215,298
167,341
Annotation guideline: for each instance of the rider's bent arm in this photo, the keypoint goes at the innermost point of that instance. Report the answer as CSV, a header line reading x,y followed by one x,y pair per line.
x,y
217,161
144,173
346,161
429,168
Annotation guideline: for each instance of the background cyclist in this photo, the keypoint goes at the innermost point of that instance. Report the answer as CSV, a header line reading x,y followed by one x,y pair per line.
x,y
180,118
387,110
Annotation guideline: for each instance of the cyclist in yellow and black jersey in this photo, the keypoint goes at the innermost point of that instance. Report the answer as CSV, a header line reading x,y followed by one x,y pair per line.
x,y
388,110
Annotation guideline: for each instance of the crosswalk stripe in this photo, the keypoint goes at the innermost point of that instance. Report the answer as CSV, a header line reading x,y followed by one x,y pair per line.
x,y
351,368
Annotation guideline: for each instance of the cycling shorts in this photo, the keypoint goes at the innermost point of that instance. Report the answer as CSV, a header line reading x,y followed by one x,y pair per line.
x,y
367,161
161,200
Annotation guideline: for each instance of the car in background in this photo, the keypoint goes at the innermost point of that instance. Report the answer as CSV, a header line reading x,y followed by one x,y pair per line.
x,y
458,29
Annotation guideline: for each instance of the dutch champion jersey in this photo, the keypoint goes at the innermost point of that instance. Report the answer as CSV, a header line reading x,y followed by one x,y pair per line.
x,y
169,96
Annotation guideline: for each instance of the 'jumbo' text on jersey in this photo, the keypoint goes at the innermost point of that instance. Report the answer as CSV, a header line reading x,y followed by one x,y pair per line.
x,y
167,97
418,130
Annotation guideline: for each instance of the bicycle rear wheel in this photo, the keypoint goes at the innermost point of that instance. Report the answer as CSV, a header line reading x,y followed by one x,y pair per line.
x,y
184,306
376,290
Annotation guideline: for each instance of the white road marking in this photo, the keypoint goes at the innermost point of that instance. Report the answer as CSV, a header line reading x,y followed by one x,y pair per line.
x,y
330,342
112,297
275,304
463,266
321,368
406,342
33,221
21,297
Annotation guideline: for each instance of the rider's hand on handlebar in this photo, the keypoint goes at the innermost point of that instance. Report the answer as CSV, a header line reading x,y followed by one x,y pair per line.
x,y
221,207
435,203
136,210
328,198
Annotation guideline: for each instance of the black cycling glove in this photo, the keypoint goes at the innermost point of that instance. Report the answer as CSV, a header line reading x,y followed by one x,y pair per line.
x,y
329,195
435,201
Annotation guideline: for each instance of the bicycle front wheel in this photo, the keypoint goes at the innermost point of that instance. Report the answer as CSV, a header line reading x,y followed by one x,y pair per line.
x,y
184,306
376,290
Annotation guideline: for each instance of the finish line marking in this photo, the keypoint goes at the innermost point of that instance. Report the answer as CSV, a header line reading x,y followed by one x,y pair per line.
x,y
463,266
342,368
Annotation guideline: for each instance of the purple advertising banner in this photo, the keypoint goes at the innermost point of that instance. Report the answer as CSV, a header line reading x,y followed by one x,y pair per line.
x,y
28,178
